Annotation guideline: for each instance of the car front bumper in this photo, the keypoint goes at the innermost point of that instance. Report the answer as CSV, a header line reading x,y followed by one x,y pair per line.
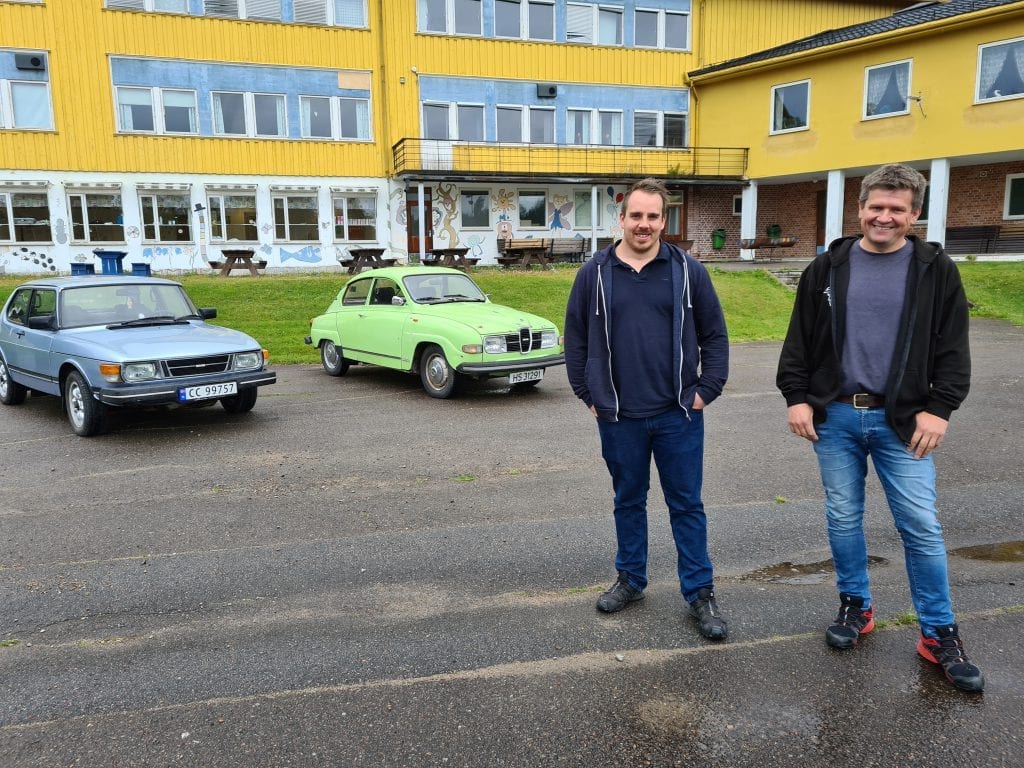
x,y
505,367
165,391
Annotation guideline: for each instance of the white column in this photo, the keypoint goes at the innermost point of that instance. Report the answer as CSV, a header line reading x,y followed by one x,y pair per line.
x,y
748,219
938,200
835,201
422,221
593,221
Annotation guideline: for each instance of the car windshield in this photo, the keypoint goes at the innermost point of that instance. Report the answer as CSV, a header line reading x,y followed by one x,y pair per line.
x,y
435,288
138,304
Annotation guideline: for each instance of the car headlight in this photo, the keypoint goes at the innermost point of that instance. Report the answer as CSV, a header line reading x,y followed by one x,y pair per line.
x,y
131,372
548,339
495,345
247,360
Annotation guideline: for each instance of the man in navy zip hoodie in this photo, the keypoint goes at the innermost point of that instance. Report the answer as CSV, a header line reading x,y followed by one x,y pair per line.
x,y
646,350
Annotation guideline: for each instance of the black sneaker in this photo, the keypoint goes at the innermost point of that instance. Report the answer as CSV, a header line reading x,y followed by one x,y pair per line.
x,y
852,622
618,596
948,652
705,610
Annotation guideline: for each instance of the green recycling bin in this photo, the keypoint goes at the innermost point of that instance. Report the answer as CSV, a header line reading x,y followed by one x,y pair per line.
x,y
718,239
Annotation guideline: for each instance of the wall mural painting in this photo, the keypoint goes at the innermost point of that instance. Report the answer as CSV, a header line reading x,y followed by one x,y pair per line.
x,y
447,199
60,231
560,206
474,241
171,253
308,255
32,257
612,208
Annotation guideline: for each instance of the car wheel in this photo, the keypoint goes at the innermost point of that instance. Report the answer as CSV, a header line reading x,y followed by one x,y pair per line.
x,y
88,416
240,403
331,358
437,376
11,392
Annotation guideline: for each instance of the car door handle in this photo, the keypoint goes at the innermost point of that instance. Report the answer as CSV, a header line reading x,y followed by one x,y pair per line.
x,y
19,334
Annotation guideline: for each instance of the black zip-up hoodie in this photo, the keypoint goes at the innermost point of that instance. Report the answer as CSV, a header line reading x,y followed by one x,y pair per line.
x,y
931,366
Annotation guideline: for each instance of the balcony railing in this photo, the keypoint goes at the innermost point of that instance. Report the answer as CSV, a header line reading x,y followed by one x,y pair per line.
x,y
435,158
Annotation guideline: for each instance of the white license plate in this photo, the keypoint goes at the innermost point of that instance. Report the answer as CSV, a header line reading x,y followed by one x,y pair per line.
x,y
520,376
207,391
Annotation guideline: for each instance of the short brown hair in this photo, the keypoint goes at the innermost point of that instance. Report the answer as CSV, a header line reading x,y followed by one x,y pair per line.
x,y
894,176
652,187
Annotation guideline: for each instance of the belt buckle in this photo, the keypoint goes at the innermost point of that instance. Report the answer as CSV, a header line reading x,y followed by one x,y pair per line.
x,y
857,405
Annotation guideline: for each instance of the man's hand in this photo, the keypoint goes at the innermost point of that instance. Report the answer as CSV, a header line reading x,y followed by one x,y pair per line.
x,y
698,402
928,434
801,421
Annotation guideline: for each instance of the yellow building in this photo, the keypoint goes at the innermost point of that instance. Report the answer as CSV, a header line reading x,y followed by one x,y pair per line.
x,y
170,129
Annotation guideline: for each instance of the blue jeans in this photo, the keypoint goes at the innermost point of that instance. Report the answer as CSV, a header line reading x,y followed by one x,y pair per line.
x,y
677,443
845,440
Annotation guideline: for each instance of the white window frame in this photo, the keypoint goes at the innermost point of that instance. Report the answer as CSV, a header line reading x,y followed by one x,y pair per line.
x,y
658,124
1011,178
771,110
686,129
423,119
7,117
243,9
344,198
215,199
280,114
337,104
487,209
570,135
867,81
521,27
334,106
325,13
458,120
149,6
332,128
249,115
87,234
593,34
286,210
554,125
148,199
575,209
661,29
522,118
537,191
599,136
737,205
978,98
7,204
159,109
449,19
529,6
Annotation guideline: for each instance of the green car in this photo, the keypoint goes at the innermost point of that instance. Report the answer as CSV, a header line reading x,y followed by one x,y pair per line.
x,y
435,322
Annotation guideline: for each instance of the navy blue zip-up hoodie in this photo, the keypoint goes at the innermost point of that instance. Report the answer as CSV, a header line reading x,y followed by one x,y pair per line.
x,y
700,359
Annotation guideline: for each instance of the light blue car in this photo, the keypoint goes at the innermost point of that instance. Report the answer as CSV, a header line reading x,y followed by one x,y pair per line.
x,y
116,341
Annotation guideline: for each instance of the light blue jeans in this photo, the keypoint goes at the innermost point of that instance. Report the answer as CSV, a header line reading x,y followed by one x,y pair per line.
x,y
845,440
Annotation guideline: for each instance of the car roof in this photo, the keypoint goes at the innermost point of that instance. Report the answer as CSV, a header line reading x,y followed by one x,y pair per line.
x,y
60,283
397,273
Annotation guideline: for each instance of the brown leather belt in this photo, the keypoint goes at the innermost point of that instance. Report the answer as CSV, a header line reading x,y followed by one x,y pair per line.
x,y
862,400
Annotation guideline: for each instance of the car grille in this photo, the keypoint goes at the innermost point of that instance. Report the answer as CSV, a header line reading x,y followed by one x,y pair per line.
x,y
196,366
524,341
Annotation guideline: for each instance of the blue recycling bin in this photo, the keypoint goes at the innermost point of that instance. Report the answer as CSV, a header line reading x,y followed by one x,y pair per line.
x,y
78,269
110,261
141,269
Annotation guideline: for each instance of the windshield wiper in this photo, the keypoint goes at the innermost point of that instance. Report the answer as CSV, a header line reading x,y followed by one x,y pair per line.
x,y
464,297
143,321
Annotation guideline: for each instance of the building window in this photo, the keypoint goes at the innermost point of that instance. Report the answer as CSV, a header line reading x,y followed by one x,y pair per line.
x,y
233,217
593,24
435,122
737,205
533,208
542,126
155,110
229,114
355,218
324,117
244,9
160,6
578,127
661,29
507,18
1001,70
645,129
339,13
354,117
886,88
179,111
315,117
582,209
166,218
24,218
135,110
611,128
468,15
295,218
540,21
791,106
673,133
475,208
249,114
25,105
458,17
268,110
1013,207
471,122
509,124
609,26
96,217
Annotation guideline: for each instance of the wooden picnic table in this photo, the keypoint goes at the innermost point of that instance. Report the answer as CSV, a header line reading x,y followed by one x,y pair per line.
x,y
368,258
453,257
526,251
239,258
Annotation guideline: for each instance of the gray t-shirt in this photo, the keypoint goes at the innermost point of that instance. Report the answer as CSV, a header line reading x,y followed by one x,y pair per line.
x,y
878,283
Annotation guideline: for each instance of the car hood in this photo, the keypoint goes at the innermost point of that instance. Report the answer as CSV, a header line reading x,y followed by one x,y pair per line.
x,y
487,318
192,339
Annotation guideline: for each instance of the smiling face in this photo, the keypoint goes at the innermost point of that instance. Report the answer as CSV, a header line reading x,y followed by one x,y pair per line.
x,y
642,223
885,219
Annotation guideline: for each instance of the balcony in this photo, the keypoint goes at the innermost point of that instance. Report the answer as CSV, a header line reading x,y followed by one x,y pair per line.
x,y
432,158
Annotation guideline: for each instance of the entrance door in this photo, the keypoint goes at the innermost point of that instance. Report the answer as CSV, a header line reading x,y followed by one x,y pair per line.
x,y
675,220
412,218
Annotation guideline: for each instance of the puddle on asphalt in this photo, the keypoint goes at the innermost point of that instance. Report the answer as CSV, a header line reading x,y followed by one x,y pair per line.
x,y
802,573
1004,552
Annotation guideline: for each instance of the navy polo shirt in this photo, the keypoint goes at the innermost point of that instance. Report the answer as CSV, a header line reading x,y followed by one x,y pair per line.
x,y
641,337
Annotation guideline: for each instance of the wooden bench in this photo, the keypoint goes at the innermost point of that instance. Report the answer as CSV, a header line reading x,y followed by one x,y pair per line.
x,y
569,249
975,239
1011,238
522,251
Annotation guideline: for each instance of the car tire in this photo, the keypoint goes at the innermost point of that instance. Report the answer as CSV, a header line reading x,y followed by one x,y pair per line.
x,y
11,392
240,403
86,414
332,359
436,374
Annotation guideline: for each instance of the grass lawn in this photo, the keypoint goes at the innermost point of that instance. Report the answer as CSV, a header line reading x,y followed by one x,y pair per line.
x,y
276,309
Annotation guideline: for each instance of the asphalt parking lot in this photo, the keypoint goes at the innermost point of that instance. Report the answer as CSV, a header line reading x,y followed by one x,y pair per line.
x,y
357,575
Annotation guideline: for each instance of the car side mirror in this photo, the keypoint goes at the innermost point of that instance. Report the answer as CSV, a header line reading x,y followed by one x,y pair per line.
x,y
41,322
208,313
397,301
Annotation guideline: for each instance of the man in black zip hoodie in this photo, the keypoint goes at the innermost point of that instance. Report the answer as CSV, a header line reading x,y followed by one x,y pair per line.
x,y
646,350
875,360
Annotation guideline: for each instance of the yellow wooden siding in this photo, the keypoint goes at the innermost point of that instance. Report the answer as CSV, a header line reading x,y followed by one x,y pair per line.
x,y
946,122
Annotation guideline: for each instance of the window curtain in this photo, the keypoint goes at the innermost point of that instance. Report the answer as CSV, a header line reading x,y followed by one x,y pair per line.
x,y
31,105
127,98
1002,71
887,90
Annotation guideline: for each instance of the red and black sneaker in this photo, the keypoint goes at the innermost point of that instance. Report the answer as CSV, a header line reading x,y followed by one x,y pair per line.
x,y
948,652
852,622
